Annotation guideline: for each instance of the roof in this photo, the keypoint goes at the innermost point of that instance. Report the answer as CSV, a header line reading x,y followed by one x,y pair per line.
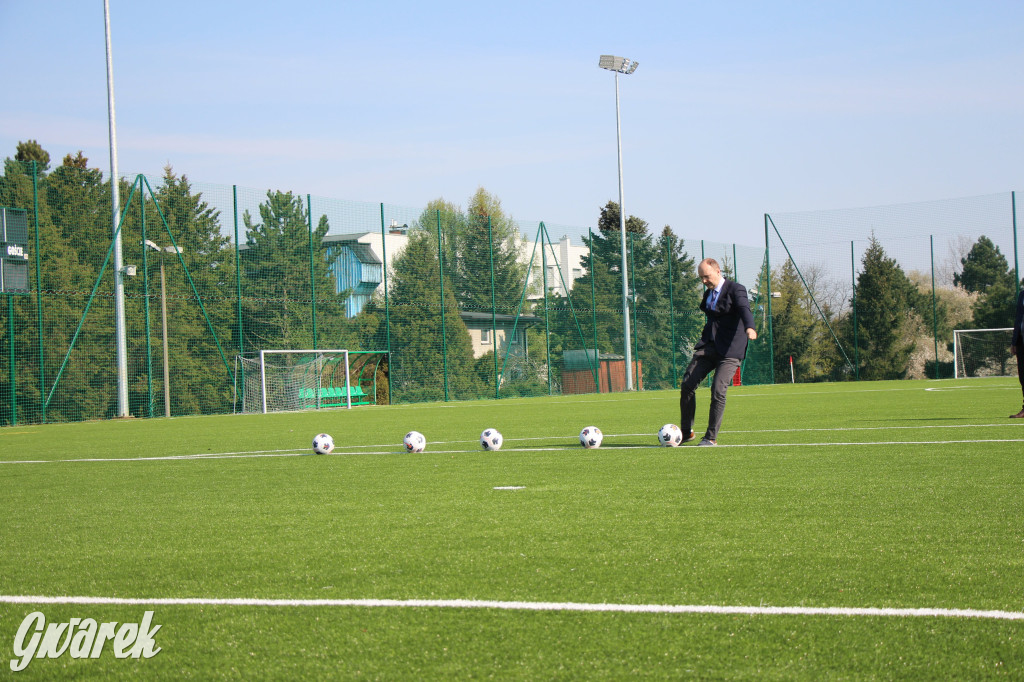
x,y
364,252
474,316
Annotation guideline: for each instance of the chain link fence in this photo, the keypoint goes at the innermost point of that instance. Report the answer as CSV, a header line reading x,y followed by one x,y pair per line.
x,y
436,303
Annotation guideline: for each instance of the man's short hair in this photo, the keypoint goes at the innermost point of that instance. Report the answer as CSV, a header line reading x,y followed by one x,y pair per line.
x,y
710,262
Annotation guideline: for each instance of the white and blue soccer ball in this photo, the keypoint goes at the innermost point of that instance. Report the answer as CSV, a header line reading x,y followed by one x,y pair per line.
x,y
323,443
415,442
670,436
491,439
591,437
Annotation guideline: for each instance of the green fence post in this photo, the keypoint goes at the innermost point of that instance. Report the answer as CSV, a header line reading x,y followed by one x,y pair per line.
x,y
735,265
145,304
39,295
853,281
596,365
312,278
13,374
494,324
935,311
238,287
1016,261
671,309
444,335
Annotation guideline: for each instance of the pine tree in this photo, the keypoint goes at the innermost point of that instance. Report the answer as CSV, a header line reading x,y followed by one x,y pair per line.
x,y
798,330
277,296
884,298
86,387
424,358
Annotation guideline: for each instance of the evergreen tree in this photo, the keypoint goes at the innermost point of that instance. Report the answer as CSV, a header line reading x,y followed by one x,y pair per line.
x,y
986,272
424,358
652,319
798,330
885,296
200,382
277,296
86,388
983,266
468,244
491,242
33,151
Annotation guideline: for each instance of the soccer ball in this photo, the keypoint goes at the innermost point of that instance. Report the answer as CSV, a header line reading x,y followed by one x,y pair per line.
x,y
490,439
323,443
591,437
670,436
415,442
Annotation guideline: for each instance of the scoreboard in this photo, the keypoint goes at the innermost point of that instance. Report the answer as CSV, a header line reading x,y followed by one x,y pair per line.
x,y
13,251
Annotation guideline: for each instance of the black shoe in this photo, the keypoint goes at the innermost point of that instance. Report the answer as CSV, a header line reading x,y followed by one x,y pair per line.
x,y
692,436
1019,415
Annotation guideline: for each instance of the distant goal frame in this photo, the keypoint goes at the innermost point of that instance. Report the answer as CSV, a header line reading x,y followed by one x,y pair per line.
x,y
333,388
958,350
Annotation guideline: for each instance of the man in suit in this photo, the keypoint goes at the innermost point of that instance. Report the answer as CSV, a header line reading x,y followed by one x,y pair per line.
x,y
1017,347
722,347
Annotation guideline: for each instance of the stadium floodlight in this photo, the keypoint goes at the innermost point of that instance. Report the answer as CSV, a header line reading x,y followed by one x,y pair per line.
x,y
627,66
163,319
619,64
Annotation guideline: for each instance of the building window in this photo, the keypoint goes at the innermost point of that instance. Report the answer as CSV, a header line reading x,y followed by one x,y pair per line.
x,y
485,337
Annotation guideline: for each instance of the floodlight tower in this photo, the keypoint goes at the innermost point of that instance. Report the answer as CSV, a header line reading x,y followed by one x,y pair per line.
x,y
120,338
627,66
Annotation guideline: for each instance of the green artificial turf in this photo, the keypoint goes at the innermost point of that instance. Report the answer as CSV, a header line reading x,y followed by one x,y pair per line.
x,y
888,495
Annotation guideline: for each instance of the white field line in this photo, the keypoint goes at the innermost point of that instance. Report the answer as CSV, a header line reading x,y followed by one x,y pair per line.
x,y
383,449
562,448
531,606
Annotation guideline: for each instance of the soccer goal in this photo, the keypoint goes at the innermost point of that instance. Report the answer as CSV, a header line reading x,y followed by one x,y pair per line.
x,y
983,353
288,380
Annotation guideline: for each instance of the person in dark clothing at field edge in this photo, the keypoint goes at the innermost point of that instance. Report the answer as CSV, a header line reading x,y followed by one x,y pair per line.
x,y
722,347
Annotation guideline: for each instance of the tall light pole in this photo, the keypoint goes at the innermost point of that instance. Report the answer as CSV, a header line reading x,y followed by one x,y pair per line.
x,y
163,320
120,340
626,66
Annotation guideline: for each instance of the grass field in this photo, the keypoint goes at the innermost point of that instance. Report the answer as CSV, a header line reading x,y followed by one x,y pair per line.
x,y
820,500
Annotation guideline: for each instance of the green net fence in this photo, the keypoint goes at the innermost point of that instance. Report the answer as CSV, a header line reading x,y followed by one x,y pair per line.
x,y
435,303
876,293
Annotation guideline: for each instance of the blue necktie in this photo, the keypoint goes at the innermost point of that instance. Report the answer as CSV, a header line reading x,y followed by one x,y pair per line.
x,y
714,299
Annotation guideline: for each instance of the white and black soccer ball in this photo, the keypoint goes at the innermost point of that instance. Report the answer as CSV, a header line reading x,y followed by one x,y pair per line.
x,y
591,437
323,443
670,436
415,442
491,439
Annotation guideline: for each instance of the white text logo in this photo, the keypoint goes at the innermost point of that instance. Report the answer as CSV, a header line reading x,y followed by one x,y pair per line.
x,y
82,638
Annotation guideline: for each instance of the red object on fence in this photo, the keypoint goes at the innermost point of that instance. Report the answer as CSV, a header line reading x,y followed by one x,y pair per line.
x,y
737,379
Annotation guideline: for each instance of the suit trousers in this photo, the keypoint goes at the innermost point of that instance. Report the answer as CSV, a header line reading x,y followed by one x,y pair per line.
x,y
704,361
1020,367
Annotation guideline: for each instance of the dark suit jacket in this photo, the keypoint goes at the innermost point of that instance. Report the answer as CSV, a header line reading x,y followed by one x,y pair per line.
x,y
726,328
1018,334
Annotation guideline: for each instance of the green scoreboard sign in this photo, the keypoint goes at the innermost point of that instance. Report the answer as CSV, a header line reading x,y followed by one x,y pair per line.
x,y
13,251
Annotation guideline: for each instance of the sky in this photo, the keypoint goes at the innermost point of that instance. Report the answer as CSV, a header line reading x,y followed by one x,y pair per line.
x,y
737,109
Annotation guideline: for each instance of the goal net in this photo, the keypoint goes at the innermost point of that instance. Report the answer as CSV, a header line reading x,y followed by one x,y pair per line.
x,y
983,353
285,380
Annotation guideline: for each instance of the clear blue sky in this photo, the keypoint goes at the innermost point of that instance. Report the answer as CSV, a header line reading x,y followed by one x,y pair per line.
x,y
737,108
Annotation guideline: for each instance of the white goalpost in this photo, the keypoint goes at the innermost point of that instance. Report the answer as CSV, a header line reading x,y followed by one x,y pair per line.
x,y
983,353
295,379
